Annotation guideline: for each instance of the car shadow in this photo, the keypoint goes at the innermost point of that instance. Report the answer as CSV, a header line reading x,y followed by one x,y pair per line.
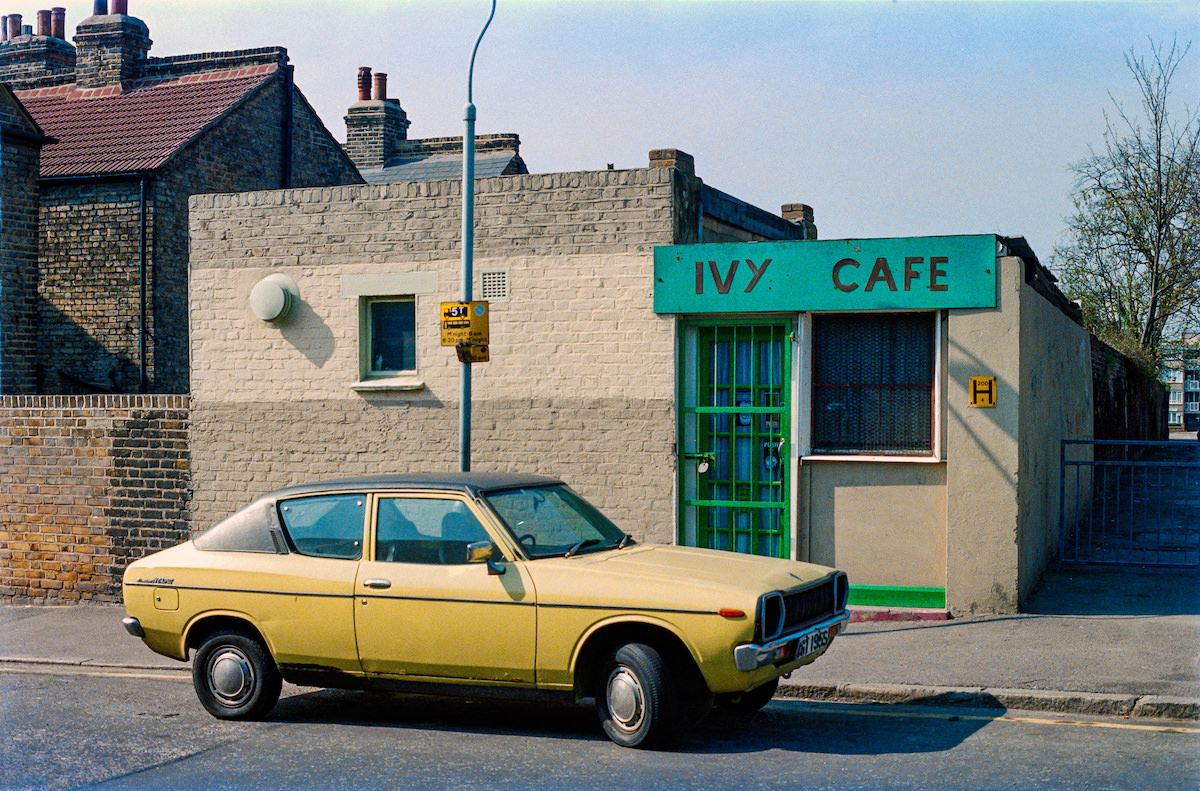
x,y
784,724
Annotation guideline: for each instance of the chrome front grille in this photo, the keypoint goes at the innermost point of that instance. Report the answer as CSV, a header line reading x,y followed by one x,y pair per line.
x,y
781,612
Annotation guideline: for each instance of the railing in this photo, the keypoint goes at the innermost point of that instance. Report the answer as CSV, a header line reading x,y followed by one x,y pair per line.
x,y
1130,503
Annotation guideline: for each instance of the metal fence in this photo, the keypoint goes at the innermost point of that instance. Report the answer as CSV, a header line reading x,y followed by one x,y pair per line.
x,y
1130,503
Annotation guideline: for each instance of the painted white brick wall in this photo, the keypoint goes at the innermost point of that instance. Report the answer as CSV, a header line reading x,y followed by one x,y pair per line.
x,y
581,382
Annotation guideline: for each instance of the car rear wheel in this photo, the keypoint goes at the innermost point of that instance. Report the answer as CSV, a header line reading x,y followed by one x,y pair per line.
x,y
235,677
636,698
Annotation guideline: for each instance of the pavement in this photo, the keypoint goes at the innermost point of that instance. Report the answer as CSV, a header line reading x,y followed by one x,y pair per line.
x,y
1094,641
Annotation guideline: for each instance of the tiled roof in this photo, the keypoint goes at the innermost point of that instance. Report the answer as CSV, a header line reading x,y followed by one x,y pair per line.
x,y
107,130
440,167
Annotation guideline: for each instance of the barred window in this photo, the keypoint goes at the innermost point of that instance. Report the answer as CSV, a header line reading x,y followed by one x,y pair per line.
x,y
873,379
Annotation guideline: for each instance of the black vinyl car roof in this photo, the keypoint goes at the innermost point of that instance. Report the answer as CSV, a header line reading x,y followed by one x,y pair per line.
x,y
473,483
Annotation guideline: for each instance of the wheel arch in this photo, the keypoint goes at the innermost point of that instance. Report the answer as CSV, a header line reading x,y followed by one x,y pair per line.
x,y
203,626
607,637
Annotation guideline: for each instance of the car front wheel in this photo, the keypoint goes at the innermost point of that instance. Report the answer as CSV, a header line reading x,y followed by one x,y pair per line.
x,y
636,698
235,677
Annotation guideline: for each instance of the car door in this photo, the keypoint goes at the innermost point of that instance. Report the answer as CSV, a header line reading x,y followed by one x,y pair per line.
x,y
422,611
303,601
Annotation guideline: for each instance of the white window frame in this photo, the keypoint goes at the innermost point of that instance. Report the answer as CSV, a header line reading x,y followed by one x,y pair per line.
x,y
369,289
803,363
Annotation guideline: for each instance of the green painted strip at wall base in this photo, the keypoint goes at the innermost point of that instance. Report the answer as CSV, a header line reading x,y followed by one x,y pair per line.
x,y
890,596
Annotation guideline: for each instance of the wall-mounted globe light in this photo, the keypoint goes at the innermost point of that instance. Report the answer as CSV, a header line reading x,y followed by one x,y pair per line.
x,y
274,298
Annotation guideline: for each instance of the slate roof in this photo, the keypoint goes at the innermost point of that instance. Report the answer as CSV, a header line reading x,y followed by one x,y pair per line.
x,y
439,167
110,130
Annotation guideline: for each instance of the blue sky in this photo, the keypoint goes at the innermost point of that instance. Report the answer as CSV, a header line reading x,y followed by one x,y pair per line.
x,y
889,118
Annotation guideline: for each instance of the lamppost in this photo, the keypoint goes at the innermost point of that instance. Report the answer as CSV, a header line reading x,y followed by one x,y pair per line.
x,y
468,245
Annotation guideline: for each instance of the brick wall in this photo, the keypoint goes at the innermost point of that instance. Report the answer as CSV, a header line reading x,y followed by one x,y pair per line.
x,y
87,484
18,263
88,283
1129,404
575,338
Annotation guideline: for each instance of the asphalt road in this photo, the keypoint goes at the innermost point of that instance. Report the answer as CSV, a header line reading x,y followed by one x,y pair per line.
x,y
111,729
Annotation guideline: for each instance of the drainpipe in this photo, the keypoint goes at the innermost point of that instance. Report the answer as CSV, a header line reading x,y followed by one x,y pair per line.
x,y
142,379
285,180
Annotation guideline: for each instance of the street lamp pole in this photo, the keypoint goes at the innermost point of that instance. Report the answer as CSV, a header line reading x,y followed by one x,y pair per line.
x,y
468,250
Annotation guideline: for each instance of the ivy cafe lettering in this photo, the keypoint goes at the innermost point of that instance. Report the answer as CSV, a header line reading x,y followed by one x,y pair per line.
x,y
933,277
912,273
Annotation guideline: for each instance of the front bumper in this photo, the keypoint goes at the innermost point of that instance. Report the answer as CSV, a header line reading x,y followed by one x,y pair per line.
x,y
789,647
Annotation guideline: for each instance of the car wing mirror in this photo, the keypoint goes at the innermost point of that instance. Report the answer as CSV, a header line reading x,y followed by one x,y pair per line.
x,y
482,552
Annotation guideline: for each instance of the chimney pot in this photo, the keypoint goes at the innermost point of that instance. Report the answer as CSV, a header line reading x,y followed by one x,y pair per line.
x,y
14,26
58,26
380,86
43,23
120,7
364,83
99,7
3,28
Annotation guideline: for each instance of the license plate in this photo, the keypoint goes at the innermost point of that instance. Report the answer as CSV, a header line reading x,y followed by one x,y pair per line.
x,y
811,642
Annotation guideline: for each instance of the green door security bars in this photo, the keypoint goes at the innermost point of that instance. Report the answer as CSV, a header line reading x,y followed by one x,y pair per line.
x,y
734,432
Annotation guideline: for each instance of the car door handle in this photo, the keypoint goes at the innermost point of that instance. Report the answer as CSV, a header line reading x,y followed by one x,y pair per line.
x,y
377,583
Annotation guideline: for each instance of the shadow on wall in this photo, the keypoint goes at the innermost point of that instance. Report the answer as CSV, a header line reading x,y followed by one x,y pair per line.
x,y
73,361
309,334
1006,399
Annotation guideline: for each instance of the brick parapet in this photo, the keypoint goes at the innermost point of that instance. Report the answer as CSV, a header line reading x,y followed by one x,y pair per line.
x,y
87,484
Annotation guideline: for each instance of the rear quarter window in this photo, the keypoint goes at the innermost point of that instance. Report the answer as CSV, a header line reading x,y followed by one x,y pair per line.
x,y
325,526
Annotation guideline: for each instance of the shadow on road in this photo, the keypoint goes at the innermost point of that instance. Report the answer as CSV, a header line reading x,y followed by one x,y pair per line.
x,y
790,725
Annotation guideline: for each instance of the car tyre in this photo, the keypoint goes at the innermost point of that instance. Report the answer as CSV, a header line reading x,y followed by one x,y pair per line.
x,y
755,699
235,677
636,698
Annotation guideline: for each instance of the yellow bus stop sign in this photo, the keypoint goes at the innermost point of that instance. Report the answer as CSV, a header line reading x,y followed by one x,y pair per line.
x,y
465,322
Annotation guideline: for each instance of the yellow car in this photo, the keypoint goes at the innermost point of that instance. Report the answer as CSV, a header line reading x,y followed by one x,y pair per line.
x,y
470,583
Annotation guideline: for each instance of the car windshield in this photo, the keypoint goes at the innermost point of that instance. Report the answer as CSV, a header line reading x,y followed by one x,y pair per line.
x,y
553,521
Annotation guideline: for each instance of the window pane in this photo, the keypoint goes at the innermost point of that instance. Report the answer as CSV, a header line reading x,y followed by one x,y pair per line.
x,y
393,335
329,526
414,530
873,384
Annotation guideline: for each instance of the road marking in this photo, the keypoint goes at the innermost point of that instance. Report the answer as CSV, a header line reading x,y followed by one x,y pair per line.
x,y
83,670
858,710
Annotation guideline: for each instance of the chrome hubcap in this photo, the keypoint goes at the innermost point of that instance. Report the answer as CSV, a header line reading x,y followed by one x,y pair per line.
x,y
626,700
230,676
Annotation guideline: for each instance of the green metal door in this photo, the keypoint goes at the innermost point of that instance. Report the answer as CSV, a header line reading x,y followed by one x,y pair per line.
x,y
734,433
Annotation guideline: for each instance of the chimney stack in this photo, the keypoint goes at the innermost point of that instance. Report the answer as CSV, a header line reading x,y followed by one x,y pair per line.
x,y
109,47
364,83
800,214
374,127
58,23
673,158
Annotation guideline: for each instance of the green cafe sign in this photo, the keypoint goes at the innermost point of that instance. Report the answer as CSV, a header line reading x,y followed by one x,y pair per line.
x,y
919,272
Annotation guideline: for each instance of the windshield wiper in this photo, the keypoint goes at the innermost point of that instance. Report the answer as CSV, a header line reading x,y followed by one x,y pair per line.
x,y
587,542
625,541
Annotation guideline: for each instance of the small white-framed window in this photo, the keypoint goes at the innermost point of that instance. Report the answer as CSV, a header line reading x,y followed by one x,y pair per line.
x,y
388,337
874,384
1176,396
387,327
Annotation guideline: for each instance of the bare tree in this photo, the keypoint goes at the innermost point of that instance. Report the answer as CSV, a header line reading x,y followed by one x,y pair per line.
x,y
1133,258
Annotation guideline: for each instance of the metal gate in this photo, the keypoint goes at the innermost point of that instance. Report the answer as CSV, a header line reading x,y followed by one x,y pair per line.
x,y
734,430
1130,503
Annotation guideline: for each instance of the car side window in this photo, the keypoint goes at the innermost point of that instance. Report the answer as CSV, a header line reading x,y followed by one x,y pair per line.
x,y
325,526
424,530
